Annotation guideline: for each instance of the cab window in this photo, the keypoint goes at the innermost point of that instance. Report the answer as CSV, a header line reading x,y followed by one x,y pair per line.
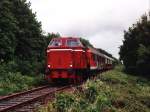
x,y
73,43
55,43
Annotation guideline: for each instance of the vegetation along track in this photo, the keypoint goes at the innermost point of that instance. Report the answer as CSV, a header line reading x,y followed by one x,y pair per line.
x,y
20,100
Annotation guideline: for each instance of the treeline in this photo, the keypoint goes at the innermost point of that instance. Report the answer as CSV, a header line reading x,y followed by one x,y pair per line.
x,y
135,51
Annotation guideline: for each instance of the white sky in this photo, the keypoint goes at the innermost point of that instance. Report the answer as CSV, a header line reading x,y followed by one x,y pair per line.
x,y
102,22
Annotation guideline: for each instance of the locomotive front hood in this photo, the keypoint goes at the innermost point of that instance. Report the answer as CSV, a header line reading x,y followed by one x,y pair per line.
x,y
59,58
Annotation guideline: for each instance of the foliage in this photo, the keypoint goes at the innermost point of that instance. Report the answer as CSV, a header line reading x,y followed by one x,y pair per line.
x,y
50,36
90,92
22,44
8,29
85,42
15,82
22,47
112,91
63,102
20,32
135,51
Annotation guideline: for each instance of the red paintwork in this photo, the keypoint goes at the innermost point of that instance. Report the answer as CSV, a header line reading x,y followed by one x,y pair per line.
x,y
68,62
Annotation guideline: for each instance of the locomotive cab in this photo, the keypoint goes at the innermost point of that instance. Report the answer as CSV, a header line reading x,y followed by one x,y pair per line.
x,y
66,57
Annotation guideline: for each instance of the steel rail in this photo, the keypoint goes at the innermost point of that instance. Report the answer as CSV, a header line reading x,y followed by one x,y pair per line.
x,y
22,93
7,103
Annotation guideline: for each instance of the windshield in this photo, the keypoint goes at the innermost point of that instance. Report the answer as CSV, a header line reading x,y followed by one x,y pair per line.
x,y
55,43
73,43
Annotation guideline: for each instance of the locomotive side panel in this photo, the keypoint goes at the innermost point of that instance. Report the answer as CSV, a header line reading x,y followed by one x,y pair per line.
x,y
79,59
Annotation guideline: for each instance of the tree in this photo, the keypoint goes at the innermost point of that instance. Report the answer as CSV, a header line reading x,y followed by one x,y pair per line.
x,y
85,42
50,36
30,41
21,38
20,32
8,29
135,51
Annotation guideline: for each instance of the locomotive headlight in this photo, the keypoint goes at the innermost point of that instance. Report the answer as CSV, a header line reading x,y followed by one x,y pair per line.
x,y
70,65
49,66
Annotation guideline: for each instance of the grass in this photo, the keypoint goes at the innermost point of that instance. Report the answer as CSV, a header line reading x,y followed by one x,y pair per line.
x,y
11,80
112,91
16,82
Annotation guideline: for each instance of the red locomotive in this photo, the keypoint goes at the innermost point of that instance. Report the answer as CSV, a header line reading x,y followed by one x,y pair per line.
x,y
67,58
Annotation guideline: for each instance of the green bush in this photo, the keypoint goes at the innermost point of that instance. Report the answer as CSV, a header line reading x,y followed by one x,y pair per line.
x,y
90,92
63,102
102,101
30,67
13,82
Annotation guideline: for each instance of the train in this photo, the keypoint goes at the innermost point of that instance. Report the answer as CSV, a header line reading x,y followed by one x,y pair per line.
x,y
68,59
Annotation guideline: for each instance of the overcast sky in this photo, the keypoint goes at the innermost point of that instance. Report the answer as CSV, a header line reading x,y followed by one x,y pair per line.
x,y
102,22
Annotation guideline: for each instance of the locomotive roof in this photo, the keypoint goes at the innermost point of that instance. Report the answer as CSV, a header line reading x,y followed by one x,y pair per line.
x,y
67,38
94,50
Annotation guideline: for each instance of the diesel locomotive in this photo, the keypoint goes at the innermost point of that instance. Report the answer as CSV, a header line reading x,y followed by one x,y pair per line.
x,y
68,58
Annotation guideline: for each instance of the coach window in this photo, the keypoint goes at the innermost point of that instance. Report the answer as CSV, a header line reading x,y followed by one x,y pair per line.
x,y
93,57
110,61
96,58
106,61
101,60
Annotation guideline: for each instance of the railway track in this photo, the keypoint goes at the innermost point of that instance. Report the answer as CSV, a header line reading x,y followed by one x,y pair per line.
x,y
20,100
